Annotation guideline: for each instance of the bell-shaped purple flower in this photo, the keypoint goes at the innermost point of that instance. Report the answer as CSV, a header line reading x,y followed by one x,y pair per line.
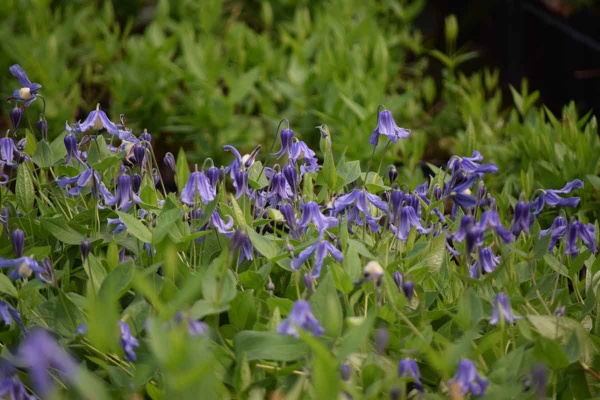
x,y
387,126
88,178
312,213
197,184
213,174
408,368
286,136
116,221
398,280
97,120
301,152
18,242
503,310
124,197
558,229
23,267
278,189
46,361
319,249
291,176
408,288
28,91
128,342
487,263
12,388
16,114
468,379
521,219
9,314
552,198
359,200
309,283
71,145
587,233
490,219
408,219
471,165
241,241
300,317
169,161
9,154
197,328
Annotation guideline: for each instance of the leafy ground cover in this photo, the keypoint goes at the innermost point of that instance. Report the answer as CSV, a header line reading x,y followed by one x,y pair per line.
x,y
284,272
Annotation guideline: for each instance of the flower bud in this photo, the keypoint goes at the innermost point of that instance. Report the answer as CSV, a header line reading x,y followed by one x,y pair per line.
x,y
409,289
213,174
398,280
139,153
85,249
309,283
451,28
71,145
146,136
481,191
21,144
382,339
136,183
15,116
392,174
345,371
437,192
18,241
169,161
42,127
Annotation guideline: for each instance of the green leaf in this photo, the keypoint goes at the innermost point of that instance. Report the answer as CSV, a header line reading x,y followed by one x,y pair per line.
x,y
136,227
43,156
60,229
95,272
7,287
263,245
25,190
349,171
354,106
166,221
31,144
117,281
244,85
253,176
182,169
326,307
356,336
257,345
242,312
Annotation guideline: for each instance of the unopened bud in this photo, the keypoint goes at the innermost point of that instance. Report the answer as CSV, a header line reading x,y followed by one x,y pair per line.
x,y
15,116
139,152
85,249
409,289
437,192
398,280
169,161
345,371
309,282
146,136
392,174
270,286
136,182
42,127
18,241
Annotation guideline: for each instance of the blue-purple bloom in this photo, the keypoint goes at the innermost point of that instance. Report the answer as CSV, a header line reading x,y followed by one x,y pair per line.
x,y
116,221
41,353
197,184
301,151
87,178
240,240
471,165
358,200
522,219
128,342
320,248
490,219
286,136
312,213
587,233
18,242
468,379
23,267
408,288
398,280
169,161
125,195
28,91
345,371
16,114
502,310
487,263
97,120
11,388
9,314
300,317
9,154
552,198
72,151
387,126
408,219
408,368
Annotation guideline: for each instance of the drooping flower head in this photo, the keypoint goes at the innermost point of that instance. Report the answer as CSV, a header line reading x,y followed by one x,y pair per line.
x,y
320,248
522,219
486,263
9,314
97,119
87,178
28,91
286,136
471,165
502,310
358,201
408,368
575,230
128,342
124,197
23,267
552,198
387,126
312,213
468,379
300,317
9,153
197,184
408,219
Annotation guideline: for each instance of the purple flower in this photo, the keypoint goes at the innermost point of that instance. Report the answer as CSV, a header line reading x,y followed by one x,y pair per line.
x,y
552,198
12,388
42,127
9,314
213,174
197,328
124,197
28,91
128,342
18,242
300,317
4,179
392,173
382,338
85,248
387,126
408,288
71,145
16,114
97,120
279,189
169,161
309,282
487,263
301,151
320,249
41,353
587,233
291,176
490,219
470,232
197,184
468,379
359,200
286,136
290,218
88,178
9,154
311,213
240,240
502,310
345,371
471,165
521,219
558,229
23,267
408,219
408,368
116,221
398,280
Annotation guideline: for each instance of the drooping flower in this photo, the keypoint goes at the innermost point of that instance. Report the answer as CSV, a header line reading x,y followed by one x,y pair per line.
x,y
124,197
16,114
9,153
300,317
471,165
197,184
387,126
468,379
42,354
358,200
9,314
87,178
487,263
490,219
382,339
408,288
320,248
312,213
286,136
169,161
558,229
408,368
398,280
502,310
23,267
28,91
18,242
522,219
575,230
408,219
278,189
12,388
128,342
85,248
241,241
552,198
72,148
97,119
116,221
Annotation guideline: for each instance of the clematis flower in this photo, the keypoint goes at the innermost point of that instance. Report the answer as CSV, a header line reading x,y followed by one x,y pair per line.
x,y
12,388
116,221
502,310
471,165
9,314
319,249
97,120
387,126
558,229
197,184
587,233
169,161
359,200
128,342
42,354
87,178
301,152
552,198
279,189
408,368
487,263
23,267
408,219
312,213
490,220
9,153
398,280
240,240
300,317
522,219
125,195
468,379
18,242
291,176
16,114
470,232
28,91
286,136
